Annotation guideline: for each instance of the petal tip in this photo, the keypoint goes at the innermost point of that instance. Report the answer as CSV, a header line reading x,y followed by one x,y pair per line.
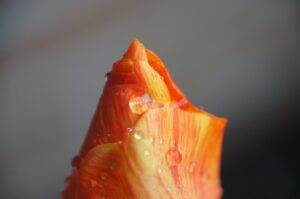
x,y
136,51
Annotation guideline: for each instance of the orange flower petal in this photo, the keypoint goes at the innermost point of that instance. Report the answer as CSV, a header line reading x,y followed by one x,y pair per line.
x,y
146,140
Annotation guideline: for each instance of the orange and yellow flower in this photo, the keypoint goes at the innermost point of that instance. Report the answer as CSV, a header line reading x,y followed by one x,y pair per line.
x,y
146,140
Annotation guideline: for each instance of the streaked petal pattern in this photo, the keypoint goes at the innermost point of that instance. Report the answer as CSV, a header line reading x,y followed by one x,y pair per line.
x,y
146,140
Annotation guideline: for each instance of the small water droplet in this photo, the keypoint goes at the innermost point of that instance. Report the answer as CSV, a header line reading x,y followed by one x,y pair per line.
x,y
94,183
120,142
161,141
137,136
113,166
95,141
205,177
123,92
146,152
106,137
129,130
140,104
182,102
159,171
173,156
192,167
107,75
151,140
103,176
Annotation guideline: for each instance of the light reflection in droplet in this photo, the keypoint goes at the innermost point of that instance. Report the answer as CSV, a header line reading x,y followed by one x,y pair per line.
x,y
140,104
151,140
161,141
107,137
107,75
137,136
146,152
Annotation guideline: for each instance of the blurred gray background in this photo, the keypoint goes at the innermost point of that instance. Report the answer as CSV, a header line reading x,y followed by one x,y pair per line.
x,y
236,59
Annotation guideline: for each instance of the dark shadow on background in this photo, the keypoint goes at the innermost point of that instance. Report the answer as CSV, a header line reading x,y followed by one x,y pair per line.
x,y
270,168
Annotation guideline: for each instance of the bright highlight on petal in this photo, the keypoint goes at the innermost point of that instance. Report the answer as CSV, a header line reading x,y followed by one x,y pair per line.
x,y
146,140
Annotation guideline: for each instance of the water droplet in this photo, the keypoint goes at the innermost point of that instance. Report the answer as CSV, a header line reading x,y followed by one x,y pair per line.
x,y
205,177
137,136
146,152
120,142
193,166
182,102
159,171
140,104
173,156
151,140
103,176
123,92
129,130
106,137
107,75
113,166
95,141
161,141
94,183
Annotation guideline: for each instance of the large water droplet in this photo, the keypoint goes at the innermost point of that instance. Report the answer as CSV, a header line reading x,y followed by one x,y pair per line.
x,y
140,104
173,156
